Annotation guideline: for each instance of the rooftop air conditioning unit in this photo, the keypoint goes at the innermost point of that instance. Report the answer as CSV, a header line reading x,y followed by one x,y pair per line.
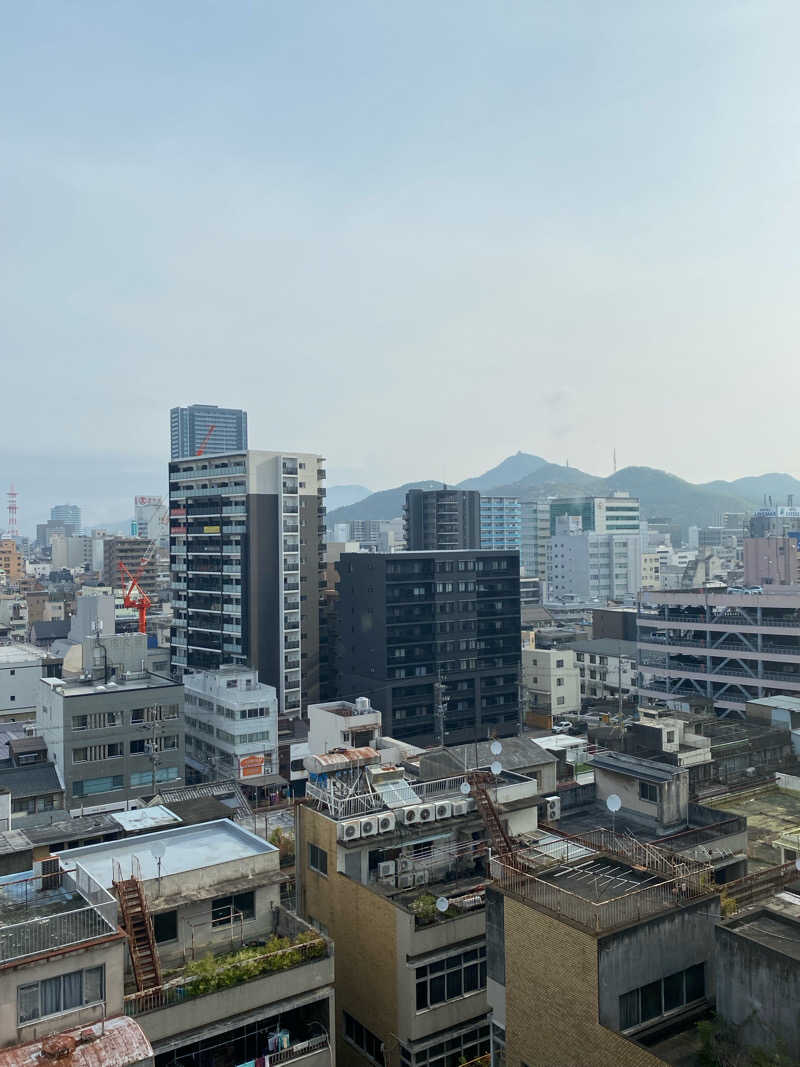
x,y
421,877
386,822
426,813
444,809
387,869
405,881
404,865
349,831
369,826
553,808
410,815
459,807
470,802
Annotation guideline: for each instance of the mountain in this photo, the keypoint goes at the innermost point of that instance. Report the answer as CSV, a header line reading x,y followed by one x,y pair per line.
x,y
777,486
512,469
339,496
387,504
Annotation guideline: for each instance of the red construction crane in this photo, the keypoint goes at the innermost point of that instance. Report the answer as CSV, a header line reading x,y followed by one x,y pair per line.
x,y
204,442
133,596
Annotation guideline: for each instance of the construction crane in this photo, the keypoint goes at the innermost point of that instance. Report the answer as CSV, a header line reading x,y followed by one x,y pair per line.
x,y
133,596
204,442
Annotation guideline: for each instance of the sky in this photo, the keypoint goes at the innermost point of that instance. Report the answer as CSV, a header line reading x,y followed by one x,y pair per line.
x,y
413,237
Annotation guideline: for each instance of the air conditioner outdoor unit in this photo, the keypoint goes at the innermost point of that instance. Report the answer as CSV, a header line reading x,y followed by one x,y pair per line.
x,y
386,822
405,881
459,807
369,826
349,831
471,804
444,809
426,813
410,815
386,869
421,877
553,808
404,865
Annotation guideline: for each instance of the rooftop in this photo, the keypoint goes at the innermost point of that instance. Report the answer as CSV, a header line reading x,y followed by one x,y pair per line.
x,y
770,811
85,687
117,1042
635,767
773,929
787,702
32,780
181,849
516,754
20,656
145,818
605,646
601,879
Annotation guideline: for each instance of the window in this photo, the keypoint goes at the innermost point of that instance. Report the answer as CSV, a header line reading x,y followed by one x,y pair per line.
x,y
670,736
648,792
163,774
317,859
559,681
62,993
661,997
559,700
89,786
97,753
165,926
559,663
454,976
225,910
363,1039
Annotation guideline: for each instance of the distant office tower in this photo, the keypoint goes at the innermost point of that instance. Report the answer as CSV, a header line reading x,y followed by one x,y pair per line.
x,y
618,513
442,519
408,619
150,519
501,521
191,430
534,535
69,515
247,562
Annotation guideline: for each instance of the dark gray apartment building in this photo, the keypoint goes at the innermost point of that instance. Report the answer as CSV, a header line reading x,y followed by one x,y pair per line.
x,y
406,620
442,519
247,566
214,429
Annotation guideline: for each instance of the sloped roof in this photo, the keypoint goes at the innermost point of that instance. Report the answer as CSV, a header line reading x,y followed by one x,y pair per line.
x,y
517,754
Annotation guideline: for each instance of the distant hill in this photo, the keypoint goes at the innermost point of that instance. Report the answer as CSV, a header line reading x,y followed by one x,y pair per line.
x,y
660,493
339,496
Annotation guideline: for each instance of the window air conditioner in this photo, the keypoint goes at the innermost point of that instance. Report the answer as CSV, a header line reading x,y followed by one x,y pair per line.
x,y
421,877
349,831
369,826
459,807
553,808
386,822
410,815
386,869
444,809
405,881
404,865
426,813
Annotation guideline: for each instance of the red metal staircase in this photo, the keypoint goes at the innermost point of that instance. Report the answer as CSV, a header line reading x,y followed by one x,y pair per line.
x,y
138,925
500,841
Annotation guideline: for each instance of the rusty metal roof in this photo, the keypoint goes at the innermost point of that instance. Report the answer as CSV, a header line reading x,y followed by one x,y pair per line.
x,y
123,1044
339,759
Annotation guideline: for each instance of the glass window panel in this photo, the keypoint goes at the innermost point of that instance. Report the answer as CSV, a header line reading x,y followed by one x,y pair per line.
x,y
471,978
422,995
454,984
438,966
437,994
673,991
93,984
651,1000
50,994
28,997
695,983
629,1009
72,990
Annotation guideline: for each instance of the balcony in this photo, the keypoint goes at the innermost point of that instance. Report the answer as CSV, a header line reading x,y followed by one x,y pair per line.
x,y
231,628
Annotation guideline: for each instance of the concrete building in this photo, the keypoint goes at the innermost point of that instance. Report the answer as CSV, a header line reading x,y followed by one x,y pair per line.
x,y
191,429
151,519
593,566
605,666
248,564
69,515
777,521
771,561
129,551
115,740
245,977
406,619
71,553
375,852
727,647
12,564
615,514
534,535
442,519
550,680
20,672
231,725
501,523
651,570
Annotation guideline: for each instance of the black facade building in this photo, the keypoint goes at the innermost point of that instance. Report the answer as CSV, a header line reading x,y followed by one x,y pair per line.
x,y
407,620
442,519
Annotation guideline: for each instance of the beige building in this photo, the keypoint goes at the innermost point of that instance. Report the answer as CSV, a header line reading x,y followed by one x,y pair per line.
x,y
651,570
11,562
550,680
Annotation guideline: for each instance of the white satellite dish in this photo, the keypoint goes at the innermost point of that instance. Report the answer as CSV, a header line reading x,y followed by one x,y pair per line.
x,y
496,767
442,904
496,748
613,802
464,787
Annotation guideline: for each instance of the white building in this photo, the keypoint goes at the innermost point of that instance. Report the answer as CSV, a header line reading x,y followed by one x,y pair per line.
x,y
340,724
70,553
20,671
534,535
231,725
605,664
550,680
151,519
590,566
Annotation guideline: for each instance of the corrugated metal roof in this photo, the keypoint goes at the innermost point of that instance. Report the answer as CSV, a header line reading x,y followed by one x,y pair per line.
x,y
123,1044
31,780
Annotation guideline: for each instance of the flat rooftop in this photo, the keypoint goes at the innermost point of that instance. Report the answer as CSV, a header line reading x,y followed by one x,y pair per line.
x,y
118,685
22,899
769,812
635,767
600,879
20,656
776,931
184,848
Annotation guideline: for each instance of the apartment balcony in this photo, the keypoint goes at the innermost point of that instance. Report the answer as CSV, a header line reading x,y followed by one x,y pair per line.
x,y
179,661
290,566
290,586
289,485
290,526
289,466
231,550
291,643
240,529
291,663
178,603
233,646
232,590
290,508
206,475
232,628
290,623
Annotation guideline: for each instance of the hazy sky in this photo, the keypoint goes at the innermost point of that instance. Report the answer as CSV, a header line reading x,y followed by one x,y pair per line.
x,y
413,236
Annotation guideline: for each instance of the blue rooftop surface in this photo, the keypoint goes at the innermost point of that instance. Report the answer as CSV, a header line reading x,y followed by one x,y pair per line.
x,y
184,848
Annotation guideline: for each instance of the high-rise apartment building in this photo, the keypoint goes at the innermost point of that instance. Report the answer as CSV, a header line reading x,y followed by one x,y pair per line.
x,y
191,428
501,523
442,519
130,551
618,513
534,535
69,515
409,620
247,563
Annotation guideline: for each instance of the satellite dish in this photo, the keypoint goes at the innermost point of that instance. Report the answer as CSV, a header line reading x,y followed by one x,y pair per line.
x,y
797,864
613,803
442,904
496,748
496,767
464,787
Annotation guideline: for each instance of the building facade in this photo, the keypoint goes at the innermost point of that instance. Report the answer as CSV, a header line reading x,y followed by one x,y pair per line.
x,y
605,666
130,551
534,535
231,724
618,513
593,566
151,519
69,515
247,560
215,430
410,620
501,523
442,519
550,681
771,560
12,564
